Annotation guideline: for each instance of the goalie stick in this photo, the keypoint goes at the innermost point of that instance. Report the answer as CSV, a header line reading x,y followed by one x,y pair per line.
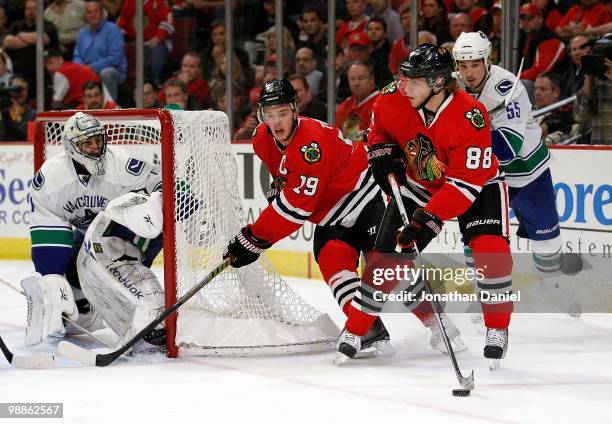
x,y
84,356
467,383
39,360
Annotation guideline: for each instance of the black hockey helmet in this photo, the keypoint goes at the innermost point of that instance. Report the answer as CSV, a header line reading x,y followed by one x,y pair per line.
x,y
277,92
429,62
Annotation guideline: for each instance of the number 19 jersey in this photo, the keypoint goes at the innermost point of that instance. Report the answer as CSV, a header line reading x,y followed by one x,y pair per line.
x,y
327,179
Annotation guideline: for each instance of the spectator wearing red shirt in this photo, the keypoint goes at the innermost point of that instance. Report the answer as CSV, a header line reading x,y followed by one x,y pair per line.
x,y
157,30
191,74
542,50
479,15
354,114
93,97
68,79
401,48
550,11
590,17
357,22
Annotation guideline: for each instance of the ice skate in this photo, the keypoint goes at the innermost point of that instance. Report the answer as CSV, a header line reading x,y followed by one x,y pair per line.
x,y
347,347
496,346
375,341
151,344
454,336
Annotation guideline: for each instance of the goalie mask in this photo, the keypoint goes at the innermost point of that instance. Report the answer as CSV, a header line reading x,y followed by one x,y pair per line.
x,y
84,139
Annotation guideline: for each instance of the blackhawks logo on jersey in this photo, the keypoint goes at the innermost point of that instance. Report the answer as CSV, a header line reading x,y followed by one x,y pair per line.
x,y
423,163
311,152
476,118
389,88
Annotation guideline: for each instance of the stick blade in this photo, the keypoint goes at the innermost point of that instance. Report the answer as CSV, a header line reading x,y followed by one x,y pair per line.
x,y
77,353
37,361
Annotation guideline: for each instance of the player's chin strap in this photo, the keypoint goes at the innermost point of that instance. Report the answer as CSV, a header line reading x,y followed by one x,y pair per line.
x,y
432,93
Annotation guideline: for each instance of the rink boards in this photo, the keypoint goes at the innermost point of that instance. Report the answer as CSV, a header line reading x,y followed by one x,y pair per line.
x,y
581,179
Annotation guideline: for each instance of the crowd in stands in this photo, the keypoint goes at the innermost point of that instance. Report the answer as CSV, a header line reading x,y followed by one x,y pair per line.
x,y
90,56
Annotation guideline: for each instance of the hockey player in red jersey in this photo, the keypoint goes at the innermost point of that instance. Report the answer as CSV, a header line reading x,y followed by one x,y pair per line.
x,y
321,177
318,176
436,140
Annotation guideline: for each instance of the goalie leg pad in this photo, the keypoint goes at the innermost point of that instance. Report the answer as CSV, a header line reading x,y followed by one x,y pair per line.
x,y
49,297
125,293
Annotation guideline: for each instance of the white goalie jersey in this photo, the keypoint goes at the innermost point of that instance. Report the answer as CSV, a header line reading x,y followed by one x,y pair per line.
x,y
63,200
515,134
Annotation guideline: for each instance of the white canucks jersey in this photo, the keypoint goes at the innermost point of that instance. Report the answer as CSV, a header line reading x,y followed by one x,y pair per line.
x,y
516,136
63,200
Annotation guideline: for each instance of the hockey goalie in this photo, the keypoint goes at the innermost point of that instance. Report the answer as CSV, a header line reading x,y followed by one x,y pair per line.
x,y
95,228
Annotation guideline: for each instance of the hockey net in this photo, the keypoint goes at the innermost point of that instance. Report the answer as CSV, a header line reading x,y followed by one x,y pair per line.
x,y
242,311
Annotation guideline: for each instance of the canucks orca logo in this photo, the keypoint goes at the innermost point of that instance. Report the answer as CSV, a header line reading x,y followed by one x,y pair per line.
x,y
38,181
134,166
504,86
311,152
476,118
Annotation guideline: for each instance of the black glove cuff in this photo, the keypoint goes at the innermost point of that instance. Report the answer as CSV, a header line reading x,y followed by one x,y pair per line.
x,y
428,220
251,242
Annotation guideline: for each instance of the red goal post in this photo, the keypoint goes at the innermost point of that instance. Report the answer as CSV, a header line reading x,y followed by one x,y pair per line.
x,y
241,311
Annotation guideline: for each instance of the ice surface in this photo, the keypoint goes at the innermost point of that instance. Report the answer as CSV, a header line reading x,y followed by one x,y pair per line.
x,y
558,369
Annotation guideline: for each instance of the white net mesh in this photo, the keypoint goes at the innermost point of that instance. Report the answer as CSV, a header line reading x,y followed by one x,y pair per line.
x,y
245,311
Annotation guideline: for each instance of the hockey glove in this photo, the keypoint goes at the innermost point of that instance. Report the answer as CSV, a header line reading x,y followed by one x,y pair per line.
x,y
423,227
276,187
385,159
245,248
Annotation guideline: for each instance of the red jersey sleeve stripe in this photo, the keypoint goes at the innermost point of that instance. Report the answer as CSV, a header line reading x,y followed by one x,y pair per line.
x,y
289,212
470,191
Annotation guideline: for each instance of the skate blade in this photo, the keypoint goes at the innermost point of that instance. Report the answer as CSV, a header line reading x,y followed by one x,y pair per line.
x,y
340,358
456,343
382,348
494,364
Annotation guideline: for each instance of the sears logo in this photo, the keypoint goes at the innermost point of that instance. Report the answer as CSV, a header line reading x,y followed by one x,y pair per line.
x,y
504,86
38,181
134,166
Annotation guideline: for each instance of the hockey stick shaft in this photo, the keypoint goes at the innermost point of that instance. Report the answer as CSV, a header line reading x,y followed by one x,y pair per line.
x,y
466,382
102,360
5,350
65,318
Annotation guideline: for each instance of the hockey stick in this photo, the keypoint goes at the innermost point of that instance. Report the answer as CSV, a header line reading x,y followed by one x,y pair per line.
x,y
467,383
65,318
508,98
39,360
79,354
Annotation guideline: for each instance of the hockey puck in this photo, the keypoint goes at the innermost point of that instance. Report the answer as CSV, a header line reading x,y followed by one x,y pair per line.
x,y
461,392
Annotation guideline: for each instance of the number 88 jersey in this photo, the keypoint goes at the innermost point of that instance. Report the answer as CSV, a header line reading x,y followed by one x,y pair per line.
x,y
449,159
